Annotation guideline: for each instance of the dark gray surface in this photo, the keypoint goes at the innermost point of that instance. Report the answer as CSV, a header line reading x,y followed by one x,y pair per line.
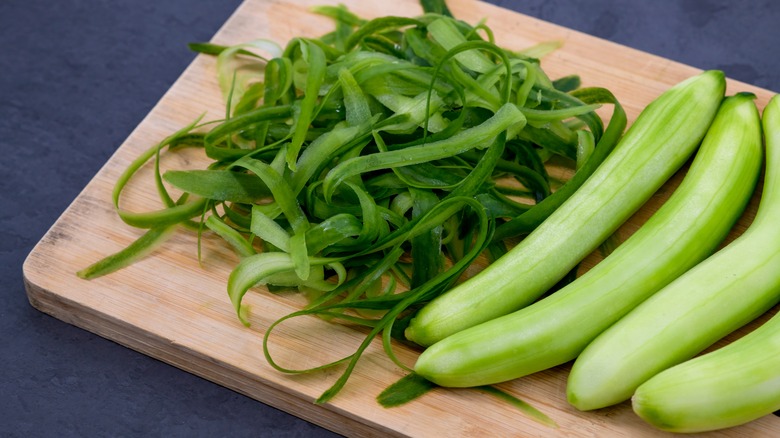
x,y
77,76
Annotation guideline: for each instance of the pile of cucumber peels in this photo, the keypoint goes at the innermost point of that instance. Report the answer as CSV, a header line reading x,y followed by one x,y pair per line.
x,y
370,167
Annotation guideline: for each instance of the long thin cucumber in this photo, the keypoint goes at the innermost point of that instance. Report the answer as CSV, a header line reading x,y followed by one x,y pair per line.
x,y
661,139
728,387
714,298
684,231
741,381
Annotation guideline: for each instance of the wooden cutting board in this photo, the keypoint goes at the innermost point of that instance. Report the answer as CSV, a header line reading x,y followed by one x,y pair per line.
x,y
171,307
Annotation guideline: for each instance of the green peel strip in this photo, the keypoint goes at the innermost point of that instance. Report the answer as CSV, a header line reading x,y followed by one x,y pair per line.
x,y
369,168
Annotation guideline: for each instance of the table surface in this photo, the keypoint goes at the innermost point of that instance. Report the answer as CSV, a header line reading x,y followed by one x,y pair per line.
x,y
78,76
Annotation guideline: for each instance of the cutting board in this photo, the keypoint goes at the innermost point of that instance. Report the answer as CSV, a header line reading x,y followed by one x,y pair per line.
x,y
175,308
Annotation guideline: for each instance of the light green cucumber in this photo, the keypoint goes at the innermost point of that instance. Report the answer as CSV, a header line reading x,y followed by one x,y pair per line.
x,y
661,139
728,387
714,298
684,231
740,382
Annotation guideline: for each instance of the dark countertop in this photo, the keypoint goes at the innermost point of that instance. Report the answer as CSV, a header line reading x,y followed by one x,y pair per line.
x,y
77,76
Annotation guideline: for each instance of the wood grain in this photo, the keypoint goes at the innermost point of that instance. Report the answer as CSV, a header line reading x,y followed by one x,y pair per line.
x,y
171,307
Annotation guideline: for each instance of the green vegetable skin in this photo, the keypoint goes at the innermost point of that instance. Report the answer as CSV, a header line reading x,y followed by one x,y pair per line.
x,y
683,232
741,381
717,296
340,158
657,144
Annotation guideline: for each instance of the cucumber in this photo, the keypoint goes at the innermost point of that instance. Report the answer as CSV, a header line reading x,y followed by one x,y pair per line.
x,y
724,292
740,382
684,231
658,143
728,387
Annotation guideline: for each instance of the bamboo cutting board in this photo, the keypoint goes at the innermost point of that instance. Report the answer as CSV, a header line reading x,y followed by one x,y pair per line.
x,y
171,307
